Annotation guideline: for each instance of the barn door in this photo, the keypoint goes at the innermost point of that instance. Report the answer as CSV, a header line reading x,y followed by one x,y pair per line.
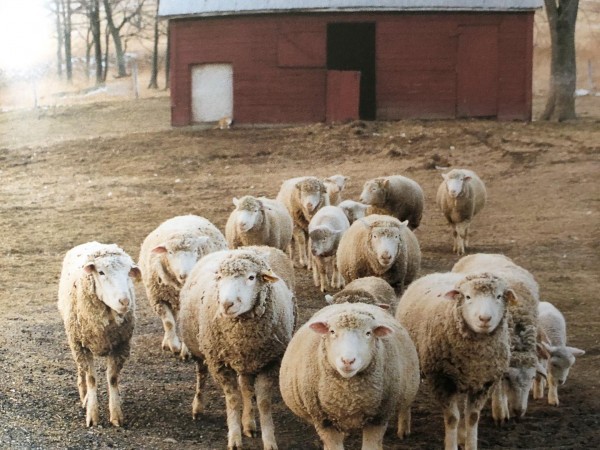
x,y
343,95
212,92
477,71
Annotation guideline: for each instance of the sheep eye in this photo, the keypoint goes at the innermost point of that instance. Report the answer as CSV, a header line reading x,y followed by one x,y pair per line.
x,y
332,332
100,272
369,334
468,297
499,297
251,277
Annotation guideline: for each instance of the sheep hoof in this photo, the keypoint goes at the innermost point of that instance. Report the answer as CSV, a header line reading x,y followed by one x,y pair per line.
x,y
91,420
117,422
250,433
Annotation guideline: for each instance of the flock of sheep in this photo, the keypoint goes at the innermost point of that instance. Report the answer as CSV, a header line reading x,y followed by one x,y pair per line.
x,y
228,302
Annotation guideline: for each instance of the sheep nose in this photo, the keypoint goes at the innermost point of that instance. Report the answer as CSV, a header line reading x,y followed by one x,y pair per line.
x,y
124,301
348,362
227,305
485,319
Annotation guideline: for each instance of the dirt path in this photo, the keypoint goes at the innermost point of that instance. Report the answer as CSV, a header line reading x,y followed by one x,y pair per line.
x,y
112,172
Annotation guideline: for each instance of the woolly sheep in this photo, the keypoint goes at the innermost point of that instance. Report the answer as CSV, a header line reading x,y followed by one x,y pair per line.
x,y
325,231
353,210
96,301
461,195
562,357
167,256
335,184
237,318
350,368
381,246
258,221
458,324
400,196
303,197
511,396
371,290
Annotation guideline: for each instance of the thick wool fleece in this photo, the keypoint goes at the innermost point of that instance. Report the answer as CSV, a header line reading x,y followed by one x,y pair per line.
x,y
356,258
453,357
469,202
315,391
403,198
372,290
273,229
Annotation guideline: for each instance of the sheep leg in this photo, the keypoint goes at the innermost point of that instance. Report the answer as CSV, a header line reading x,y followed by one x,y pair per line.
x,y
552,391
248,421
339,280
451,419
538,387
86,370
170,341
373,437
472,413
459,243
404,416
500,411
321,268
307,252
81,385
198,403
466,235
114,365
315,271
298,239
332,438
227,379
265,385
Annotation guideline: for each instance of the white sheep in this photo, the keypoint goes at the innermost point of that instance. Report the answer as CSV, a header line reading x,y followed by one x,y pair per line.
x,y
371,290
167,256
381,246
335,184
461,195
350,368
303,197
96,300
237,317
325,230
258,221
397,196
510,397
458,324
354,210
562,357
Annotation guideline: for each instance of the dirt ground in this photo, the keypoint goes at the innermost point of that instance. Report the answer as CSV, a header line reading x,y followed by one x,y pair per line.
x,y
113,171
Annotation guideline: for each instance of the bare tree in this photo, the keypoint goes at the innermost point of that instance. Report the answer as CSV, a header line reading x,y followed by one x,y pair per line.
x,y
93,12
562,15
154,71
67,30
128,14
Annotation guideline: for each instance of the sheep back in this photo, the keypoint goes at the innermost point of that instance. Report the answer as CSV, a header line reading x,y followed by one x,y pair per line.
x,y
372,290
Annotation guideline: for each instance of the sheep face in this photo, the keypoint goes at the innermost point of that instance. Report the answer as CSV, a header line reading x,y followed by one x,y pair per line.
x,y
249,213
323,240
112,281
353,210
374,192
311,193
518,381
561,360
180,256
239,282
350,341
385,244
455,182
482,299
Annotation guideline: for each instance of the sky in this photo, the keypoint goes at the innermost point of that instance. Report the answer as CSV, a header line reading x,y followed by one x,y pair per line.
x,y
26,34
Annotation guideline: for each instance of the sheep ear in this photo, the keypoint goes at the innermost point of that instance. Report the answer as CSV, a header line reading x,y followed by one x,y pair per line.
x,y
159,250
549,348
444,176
89,267
541,351
452,295
319,327
135,273
269,276
382,331
236,201
404,224
298,185
511,297
329,299
576,351
383,306
467,178
385,183
540,370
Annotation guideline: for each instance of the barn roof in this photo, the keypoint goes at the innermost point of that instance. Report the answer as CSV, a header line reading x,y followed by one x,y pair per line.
x,y
208,8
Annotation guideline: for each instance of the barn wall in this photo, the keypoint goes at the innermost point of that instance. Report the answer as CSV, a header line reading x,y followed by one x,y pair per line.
x,y
280,74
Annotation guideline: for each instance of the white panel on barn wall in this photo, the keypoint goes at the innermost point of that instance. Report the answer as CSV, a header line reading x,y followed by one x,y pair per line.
x,y
212,92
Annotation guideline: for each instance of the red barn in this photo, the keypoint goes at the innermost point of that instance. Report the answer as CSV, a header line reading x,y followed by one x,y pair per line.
x,y
291,61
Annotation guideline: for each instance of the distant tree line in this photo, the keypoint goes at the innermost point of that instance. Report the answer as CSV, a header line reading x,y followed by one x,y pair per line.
x,y
97,23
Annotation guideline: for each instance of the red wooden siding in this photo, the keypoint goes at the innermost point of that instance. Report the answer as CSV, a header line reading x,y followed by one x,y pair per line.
x,y
280,73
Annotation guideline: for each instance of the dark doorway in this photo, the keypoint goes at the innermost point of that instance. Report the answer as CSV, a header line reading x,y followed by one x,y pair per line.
x,y
351,46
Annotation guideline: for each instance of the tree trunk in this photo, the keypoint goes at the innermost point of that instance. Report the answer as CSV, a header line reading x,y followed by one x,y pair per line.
x,y
59,39
94,15
67,28
106,54
116,36
563,67
168,59
154,74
